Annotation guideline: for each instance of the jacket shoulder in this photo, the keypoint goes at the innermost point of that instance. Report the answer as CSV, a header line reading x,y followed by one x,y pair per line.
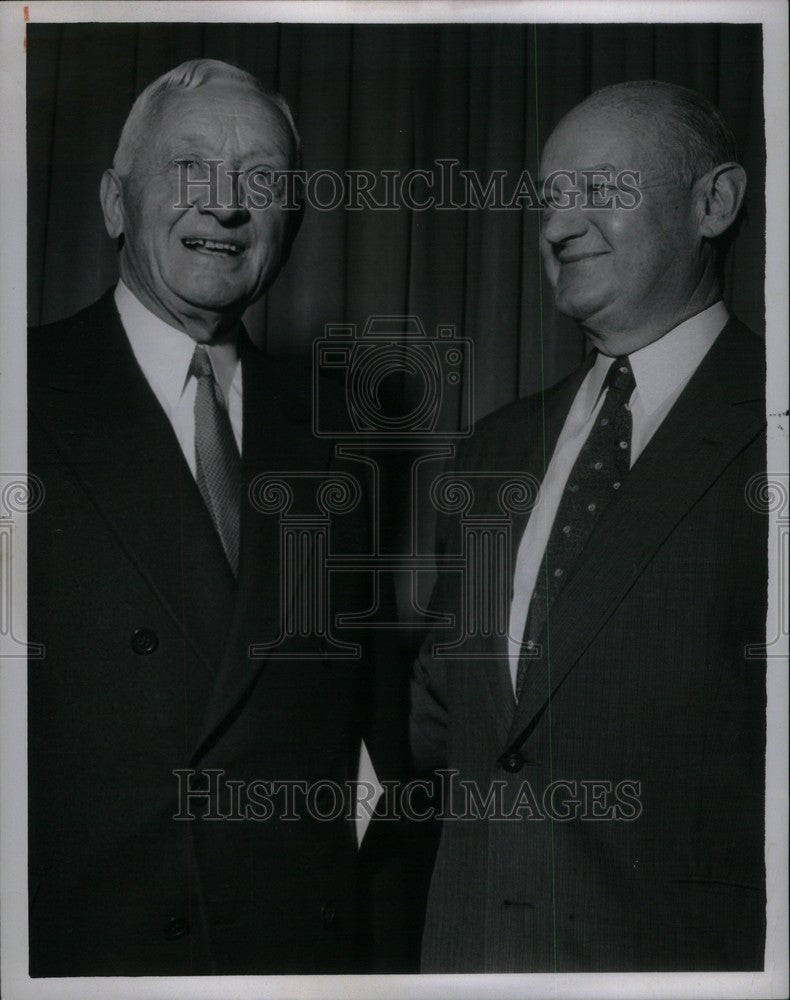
x,y
55,348
494,433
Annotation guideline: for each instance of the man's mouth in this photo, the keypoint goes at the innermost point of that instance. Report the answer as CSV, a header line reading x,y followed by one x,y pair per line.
x,y
574,258
223,247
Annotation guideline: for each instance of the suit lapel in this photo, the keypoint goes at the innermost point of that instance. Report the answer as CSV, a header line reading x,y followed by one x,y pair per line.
x,y
276,438
97,406
538,433
528,447
700,436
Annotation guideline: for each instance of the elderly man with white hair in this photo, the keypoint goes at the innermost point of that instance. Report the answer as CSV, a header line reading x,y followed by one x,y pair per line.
x,y
191,758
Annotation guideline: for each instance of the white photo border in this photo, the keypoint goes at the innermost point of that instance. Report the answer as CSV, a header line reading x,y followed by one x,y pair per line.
x,y
14,980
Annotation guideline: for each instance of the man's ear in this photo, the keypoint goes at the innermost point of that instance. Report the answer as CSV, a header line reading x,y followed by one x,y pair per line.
x,y
721,192
111,196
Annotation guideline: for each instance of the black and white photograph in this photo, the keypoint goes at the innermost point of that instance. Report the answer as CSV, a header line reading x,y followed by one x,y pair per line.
x,y
394,502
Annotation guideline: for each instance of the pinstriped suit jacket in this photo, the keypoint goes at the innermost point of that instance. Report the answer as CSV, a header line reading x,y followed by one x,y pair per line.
x,y
642,698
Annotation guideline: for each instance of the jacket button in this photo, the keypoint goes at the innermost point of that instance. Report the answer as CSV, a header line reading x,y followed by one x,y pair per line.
x,y
513,762
328,914
144,641
175,928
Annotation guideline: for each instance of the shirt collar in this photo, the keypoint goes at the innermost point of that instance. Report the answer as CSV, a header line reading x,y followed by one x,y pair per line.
x,y
662,367
164,353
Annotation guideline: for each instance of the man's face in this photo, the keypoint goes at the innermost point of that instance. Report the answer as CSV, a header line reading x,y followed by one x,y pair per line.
x,y
182,251
625,274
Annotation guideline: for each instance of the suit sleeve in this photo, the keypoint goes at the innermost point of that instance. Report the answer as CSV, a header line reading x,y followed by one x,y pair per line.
x,y
428,688
428,715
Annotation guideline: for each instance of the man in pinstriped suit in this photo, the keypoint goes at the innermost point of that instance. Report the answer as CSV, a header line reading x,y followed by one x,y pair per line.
x,y
620,723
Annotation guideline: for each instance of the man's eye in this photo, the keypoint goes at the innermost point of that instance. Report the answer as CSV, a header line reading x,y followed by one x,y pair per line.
x,y
557,200
549,199
266,179
194,164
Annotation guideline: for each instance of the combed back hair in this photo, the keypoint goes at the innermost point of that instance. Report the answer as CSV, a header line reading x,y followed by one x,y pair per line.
x,y
693,133
188,76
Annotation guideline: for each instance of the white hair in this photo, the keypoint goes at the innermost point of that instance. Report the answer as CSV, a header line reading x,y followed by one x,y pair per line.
x,y
188,76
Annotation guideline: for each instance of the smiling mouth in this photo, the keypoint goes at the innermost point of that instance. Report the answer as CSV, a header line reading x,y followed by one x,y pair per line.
x,y
574,258
221,247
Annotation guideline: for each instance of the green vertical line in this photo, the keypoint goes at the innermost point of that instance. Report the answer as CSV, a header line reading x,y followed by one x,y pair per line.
x,y
545,560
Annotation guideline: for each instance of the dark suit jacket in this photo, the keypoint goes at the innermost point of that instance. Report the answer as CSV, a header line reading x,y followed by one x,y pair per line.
x,y
147,670
642,679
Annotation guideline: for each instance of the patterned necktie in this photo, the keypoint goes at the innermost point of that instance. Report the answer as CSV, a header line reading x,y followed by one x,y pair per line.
x,y
597,474
217,461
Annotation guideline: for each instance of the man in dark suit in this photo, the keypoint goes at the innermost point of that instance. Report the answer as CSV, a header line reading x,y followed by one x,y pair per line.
x,y
191,799
619,726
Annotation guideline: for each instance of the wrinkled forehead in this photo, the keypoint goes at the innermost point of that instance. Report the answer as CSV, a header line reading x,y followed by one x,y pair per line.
x,y
225,113
599,135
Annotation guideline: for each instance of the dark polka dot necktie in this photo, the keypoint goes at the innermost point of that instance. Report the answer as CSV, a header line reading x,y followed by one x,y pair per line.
x,y
595,478
217,461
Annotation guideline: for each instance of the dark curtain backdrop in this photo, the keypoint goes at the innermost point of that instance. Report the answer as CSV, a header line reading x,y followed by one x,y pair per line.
x,y
383,97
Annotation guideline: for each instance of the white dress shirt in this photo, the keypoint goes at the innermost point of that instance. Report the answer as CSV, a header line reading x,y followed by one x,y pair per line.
x,y
164,354
661,370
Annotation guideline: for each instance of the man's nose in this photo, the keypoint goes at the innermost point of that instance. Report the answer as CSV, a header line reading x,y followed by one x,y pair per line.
x,y
562,224
227,198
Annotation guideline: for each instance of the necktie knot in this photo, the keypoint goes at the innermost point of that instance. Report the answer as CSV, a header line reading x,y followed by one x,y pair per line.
x,y
620,376
200,365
